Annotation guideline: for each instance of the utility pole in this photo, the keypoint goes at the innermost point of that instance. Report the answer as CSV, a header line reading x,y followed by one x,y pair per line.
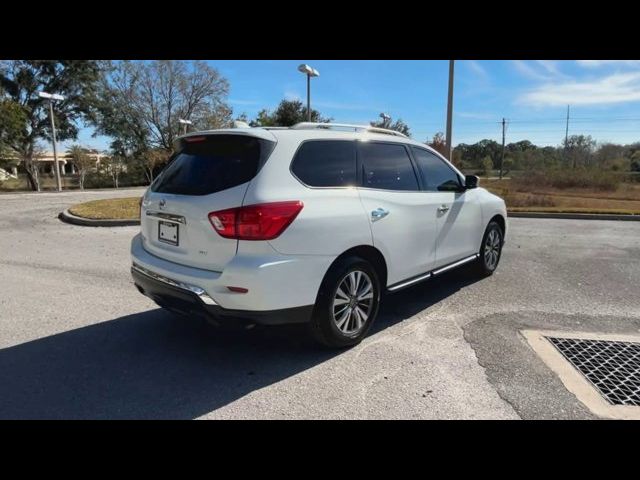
x,y
502,157
450,111
566,138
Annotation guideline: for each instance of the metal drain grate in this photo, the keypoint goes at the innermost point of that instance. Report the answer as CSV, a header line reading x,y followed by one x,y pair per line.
x,y
612,367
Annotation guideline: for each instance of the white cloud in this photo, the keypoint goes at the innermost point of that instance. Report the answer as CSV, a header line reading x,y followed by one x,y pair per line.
x,y
551,66
477,68
292,95
617,88
530,72
602,63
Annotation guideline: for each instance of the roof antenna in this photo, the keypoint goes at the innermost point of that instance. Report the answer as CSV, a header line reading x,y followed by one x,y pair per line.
x,y
240,124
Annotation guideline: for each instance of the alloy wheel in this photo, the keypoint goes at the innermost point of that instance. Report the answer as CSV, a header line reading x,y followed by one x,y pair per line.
x,y
352,302
492,249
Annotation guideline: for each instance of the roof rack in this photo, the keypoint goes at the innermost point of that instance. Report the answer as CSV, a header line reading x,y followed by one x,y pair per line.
x,y
327,126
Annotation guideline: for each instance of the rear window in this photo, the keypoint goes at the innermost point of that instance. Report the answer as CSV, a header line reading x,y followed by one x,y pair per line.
x,y
216,163
326,163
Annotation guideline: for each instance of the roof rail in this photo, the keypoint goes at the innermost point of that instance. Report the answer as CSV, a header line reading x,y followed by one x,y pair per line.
x,y
366,128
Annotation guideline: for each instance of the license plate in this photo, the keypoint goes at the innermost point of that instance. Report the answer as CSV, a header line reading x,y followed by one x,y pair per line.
x,y
168,233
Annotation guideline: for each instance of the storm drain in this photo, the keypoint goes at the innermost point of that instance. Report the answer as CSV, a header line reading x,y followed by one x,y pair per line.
x,y
612,367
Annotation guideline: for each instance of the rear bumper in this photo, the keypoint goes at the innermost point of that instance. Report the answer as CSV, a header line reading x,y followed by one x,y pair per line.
x,y
279,286
179,297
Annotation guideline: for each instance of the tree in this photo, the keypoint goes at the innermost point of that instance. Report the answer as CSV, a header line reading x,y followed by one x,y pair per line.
x,y
439,144
474,155
634,156
114,165
142,102
20,82
398,125
579,150
612,156
243,118
521,146
507,165
151,160
487,165
82,161
288,113
12,118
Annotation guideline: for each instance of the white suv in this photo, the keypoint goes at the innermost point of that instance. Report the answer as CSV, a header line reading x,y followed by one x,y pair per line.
x,y
313,223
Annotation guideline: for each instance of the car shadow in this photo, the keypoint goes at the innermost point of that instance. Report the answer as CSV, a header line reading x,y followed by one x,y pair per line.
x,y
410,301
154,365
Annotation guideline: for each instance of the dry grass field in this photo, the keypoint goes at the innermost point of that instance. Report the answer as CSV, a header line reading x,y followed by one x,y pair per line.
x,y
520,196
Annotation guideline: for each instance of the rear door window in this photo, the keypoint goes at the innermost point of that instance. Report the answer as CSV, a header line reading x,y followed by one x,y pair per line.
x,y
213,163
387,166
326,163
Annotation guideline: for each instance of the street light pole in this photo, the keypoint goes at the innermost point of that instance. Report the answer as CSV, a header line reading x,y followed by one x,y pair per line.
x,y
55,151
450,111
186,123
56,167
308,98
309,72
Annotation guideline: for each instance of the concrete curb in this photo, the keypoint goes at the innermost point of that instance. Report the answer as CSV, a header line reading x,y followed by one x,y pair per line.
x,y
575,216
69,217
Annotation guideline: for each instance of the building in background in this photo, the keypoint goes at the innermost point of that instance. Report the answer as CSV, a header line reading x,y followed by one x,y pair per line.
x,y
45,160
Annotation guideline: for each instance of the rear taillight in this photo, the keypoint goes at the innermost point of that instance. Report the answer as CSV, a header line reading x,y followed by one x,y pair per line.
x,y
264,221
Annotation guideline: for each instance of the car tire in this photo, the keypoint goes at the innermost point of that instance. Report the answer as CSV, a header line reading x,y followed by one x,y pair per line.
x,y
343,314
490,250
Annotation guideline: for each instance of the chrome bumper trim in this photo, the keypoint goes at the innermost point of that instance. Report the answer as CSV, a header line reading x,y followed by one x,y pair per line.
x,y
410,282
200,292
167,216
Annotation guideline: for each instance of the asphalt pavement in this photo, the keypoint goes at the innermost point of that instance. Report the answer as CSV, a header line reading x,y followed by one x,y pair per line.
x,y
78,341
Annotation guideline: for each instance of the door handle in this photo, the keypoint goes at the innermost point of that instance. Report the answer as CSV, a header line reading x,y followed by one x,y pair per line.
x,y
378,214
443,209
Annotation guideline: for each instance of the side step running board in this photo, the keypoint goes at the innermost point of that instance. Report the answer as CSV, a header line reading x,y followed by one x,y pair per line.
x,y
425,276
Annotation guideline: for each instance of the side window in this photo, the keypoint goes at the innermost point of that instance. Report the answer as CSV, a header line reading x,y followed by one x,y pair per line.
x,y
326,163
387,166
437,176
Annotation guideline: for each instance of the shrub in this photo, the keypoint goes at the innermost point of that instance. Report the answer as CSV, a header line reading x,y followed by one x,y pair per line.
x,y
527,200
487,166
569,178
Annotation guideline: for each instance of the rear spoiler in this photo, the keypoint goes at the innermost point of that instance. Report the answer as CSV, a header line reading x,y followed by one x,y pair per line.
x,y
251,132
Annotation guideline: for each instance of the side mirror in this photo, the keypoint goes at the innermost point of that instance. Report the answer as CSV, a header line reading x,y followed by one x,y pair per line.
x,y
471,181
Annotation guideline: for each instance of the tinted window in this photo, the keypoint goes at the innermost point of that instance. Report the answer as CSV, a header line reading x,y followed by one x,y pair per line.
x,y
387,167
436,174
216,163
326,163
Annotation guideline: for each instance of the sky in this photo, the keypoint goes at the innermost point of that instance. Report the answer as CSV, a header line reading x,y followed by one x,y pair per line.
x,y
532,96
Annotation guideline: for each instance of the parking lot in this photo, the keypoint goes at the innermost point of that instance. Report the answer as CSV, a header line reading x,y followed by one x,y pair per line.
x,y
78,341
